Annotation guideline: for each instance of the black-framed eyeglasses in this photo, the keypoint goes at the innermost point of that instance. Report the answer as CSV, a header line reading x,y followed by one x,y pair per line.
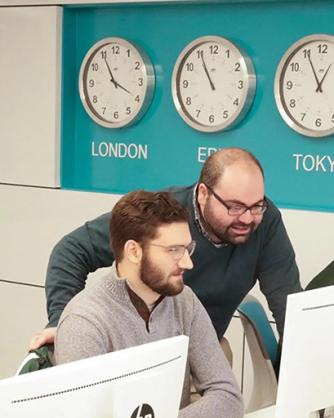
x,y
237,209
177,251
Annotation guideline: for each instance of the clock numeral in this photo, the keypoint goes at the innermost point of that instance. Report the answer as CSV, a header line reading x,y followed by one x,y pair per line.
x,y
303,116
91,83
116,115
137,98
322,48
213,49
104,110
128,52
237,66
188,101
318,122
236,102
104,55
190,66
332,120
227,52
199,53
294,66
94,99
128,110
115,49
307,53
95,66
185,83
240,84
225,114
197,113
211,118
137,65
289,85
292,103
140,81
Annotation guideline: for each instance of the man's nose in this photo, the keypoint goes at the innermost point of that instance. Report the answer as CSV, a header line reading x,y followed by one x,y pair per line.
x,y
246,217
185,262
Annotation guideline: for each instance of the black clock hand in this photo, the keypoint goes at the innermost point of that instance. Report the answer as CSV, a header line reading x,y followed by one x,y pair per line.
x,y
115,83
315,75
322,80
207,72
112,77
121,87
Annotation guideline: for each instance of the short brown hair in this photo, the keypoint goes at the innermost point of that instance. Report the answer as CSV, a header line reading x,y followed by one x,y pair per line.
x,y
216,163
139,214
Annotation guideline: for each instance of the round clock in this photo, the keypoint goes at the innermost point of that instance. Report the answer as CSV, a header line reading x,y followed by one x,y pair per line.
x,y
116,82
304,86
213,84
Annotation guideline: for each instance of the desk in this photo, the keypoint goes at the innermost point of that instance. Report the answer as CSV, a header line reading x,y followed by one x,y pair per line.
x,y
262,413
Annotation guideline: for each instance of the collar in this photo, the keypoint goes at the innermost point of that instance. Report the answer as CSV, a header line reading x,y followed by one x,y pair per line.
x,y
198,221
143,310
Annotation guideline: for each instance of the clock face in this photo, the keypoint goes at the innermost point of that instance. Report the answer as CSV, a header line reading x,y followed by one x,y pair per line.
x,y
213,84
304,83
116,83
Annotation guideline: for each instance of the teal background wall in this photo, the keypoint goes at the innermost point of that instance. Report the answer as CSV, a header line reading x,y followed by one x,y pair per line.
x,y
176,151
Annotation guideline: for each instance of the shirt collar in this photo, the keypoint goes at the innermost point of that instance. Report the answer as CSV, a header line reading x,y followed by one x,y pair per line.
x,y
198,221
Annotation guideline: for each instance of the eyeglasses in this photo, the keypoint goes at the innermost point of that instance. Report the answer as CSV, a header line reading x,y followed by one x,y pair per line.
x,y
177,251
238,210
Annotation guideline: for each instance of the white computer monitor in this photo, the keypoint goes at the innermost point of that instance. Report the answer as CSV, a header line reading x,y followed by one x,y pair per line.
x,y
306,381
139,382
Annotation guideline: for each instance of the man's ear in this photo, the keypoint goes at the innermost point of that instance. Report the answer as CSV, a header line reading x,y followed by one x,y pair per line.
x,y
202,194
133,251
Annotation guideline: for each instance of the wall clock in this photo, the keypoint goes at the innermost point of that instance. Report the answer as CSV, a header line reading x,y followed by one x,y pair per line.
x,y
213,84
116,82
304,83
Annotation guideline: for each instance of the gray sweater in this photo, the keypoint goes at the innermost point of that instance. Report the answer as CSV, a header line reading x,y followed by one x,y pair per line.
x,y
102,319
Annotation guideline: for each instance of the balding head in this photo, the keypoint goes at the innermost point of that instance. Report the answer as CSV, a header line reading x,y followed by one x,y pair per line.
x,y
217,163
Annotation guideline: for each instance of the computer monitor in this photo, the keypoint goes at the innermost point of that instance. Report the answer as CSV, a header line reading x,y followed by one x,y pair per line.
x,y
139,382
307,365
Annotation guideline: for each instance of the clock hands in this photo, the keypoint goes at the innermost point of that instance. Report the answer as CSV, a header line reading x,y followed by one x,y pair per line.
x,y
319,83
111,75
207,72
115,83
319,88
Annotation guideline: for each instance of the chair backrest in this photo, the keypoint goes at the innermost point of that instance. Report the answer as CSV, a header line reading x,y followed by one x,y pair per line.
x,y
324,278
263,350
37,360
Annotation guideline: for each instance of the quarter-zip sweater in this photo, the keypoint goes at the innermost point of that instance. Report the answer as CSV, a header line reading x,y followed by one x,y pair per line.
x,y
102,319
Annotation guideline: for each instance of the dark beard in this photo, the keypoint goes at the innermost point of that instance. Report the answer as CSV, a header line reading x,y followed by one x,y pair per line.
x,y
153,277
222,237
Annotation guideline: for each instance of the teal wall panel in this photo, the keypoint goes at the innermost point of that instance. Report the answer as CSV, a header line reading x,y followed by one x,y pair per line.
x,y
175,151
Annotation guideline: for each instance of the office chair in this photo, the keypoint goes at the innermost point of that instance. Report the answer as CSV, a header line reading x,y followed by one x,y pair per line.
x,y
263,350
324,278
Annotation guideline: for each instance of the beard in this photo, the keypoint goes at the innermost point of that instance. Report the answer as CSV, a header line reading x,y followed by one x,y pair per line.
x,y
235,233
159,281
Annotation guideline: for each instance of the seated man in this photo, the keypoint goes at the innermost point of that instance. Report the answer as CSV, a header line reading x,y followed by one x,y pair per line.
x,y
143,299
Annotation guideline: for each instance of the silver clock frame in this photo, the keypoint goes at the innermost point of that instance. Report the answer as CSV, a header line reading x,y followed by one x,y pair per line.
x,y
249,75
148,73
278,86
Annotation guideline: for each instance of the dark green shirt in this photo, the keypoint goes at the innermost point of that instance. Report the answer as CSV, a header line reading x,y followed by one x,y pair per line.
x,y
221,276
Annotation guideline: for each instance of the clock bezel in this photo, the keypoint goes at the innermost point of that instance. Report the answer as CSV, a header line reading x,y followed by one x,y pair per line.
x,y
148,73
278,86
249,75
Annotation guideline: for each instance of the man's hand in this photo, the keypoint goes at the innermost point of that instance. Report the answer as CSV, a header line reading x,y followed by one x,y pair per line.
x,y
46,336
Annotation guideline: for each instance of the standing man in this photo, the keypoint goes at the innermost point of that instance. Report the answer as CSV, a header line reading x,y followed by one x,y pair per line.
x,y
240,239
143,299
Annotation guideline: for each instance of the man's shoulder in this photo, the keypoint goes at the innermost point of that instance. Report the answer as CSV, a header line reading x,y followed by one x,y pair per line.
x,y
183,194
272,215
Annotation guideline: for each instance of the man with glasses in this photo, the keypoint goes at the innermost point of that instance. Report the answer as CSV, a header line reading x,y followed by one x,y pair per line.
x,y
143,299
240,239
